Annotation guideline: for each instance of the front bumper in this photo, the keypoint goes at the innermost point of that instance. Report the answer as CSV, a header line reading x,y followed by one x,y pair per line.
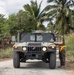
x,y
34,53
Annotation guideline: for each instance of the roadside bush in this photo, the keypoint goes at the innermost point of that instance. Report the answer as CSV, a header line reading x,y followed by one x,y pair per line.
x,y
70,46
7,53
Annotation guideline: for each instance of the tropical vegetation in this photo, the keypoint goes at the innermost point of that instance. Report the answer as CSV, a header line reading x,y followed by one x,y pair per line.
x,y
59,14
62,13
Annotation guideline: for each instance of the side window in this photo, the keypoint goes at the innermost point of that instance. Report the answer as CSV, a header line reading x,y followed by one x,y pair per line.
x,y
25,37
54,37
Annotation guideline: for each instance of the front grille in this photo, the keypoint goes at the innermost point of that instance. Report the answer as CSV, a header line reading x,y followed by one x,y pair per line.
x,y
34,49
34,44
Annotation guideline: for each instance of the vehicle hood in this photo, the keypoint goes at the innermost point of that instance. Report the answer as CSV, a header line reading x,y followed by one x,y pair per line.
x,y
34,44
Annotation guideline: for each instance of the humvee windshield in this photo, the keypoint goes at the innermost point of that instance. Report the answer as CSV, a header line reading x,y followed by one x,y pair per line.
x,y
37,37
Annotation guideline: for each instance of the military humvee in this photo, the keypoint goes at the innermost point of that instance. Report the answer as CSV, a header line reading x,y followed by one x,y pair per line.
x,y
36,45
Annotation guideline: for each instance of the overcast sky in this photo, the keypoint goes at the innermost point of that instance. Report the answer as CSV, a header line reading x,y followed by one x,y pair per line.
x,y
13,6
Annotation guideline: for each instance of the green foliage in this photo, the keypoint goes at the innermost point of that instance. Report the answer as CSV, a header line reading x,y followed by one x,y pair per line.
x,y
62,13
51,27
7,53
12,24
4,30
70,46
27,20
34,15
59,15
2,22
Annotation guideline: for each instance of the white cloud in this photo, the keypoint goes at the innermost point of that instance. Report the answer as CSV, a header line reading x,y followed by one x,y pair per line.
x,y
2,10
2,3
13,6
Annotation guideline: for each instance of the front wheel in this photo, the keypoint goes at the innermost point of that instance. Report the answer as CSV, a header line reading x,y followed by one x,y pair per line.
x,y
52,61
16,60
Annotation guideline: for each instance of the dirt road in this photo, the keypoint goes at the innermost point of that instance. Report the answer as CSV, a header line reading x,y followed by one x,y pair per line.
x,y
31,67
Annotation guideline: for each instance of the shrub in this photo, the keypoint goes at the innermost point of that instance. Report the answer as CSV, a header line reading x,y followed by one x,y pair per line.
x,y
70,46
6,53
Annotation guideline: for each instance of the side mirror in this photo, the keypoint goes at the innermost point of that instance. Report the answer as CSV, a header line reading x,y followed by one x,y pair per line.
x,y
13,39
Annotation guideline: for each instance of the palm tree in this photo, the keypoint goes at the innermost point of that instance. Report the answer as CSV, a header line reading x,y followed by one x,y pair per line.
x,y
61,11
34,15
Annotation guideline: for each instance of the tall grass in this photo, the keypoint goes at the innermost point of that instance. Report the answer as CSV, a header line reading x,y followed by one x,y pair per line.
x,y
70,46
7,53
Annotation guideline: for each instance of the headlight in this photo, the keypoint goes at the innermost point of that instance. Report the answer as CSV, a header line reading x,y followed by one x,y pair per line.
x,y
44,48
24,48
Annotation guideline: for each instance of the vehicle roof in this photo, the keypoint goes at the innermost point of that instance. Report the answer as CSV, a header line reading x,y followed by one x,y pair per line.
x,y
41,31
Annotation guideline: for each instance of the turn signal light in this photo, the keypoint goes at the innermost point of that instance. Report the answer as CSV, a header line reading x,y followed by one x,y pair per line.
x,y
15,46
53,46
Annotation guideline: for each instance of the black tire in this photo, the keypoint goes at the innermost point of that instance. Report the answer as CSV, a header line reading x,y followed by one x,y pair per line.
x,y
62,57
16,60
52,61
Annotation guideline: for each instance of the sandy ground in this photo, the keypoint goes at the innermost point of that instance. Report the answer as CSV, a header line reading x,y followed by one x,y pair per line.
x,y
35,67
31,67
69,67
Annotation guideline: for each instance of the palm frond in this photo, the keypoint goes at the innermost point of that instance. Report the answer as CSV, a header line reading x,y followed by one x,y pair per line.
x,y
52,12
67,3
70,3
57,1
28,9
47,8
39,7
50,1
34,6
